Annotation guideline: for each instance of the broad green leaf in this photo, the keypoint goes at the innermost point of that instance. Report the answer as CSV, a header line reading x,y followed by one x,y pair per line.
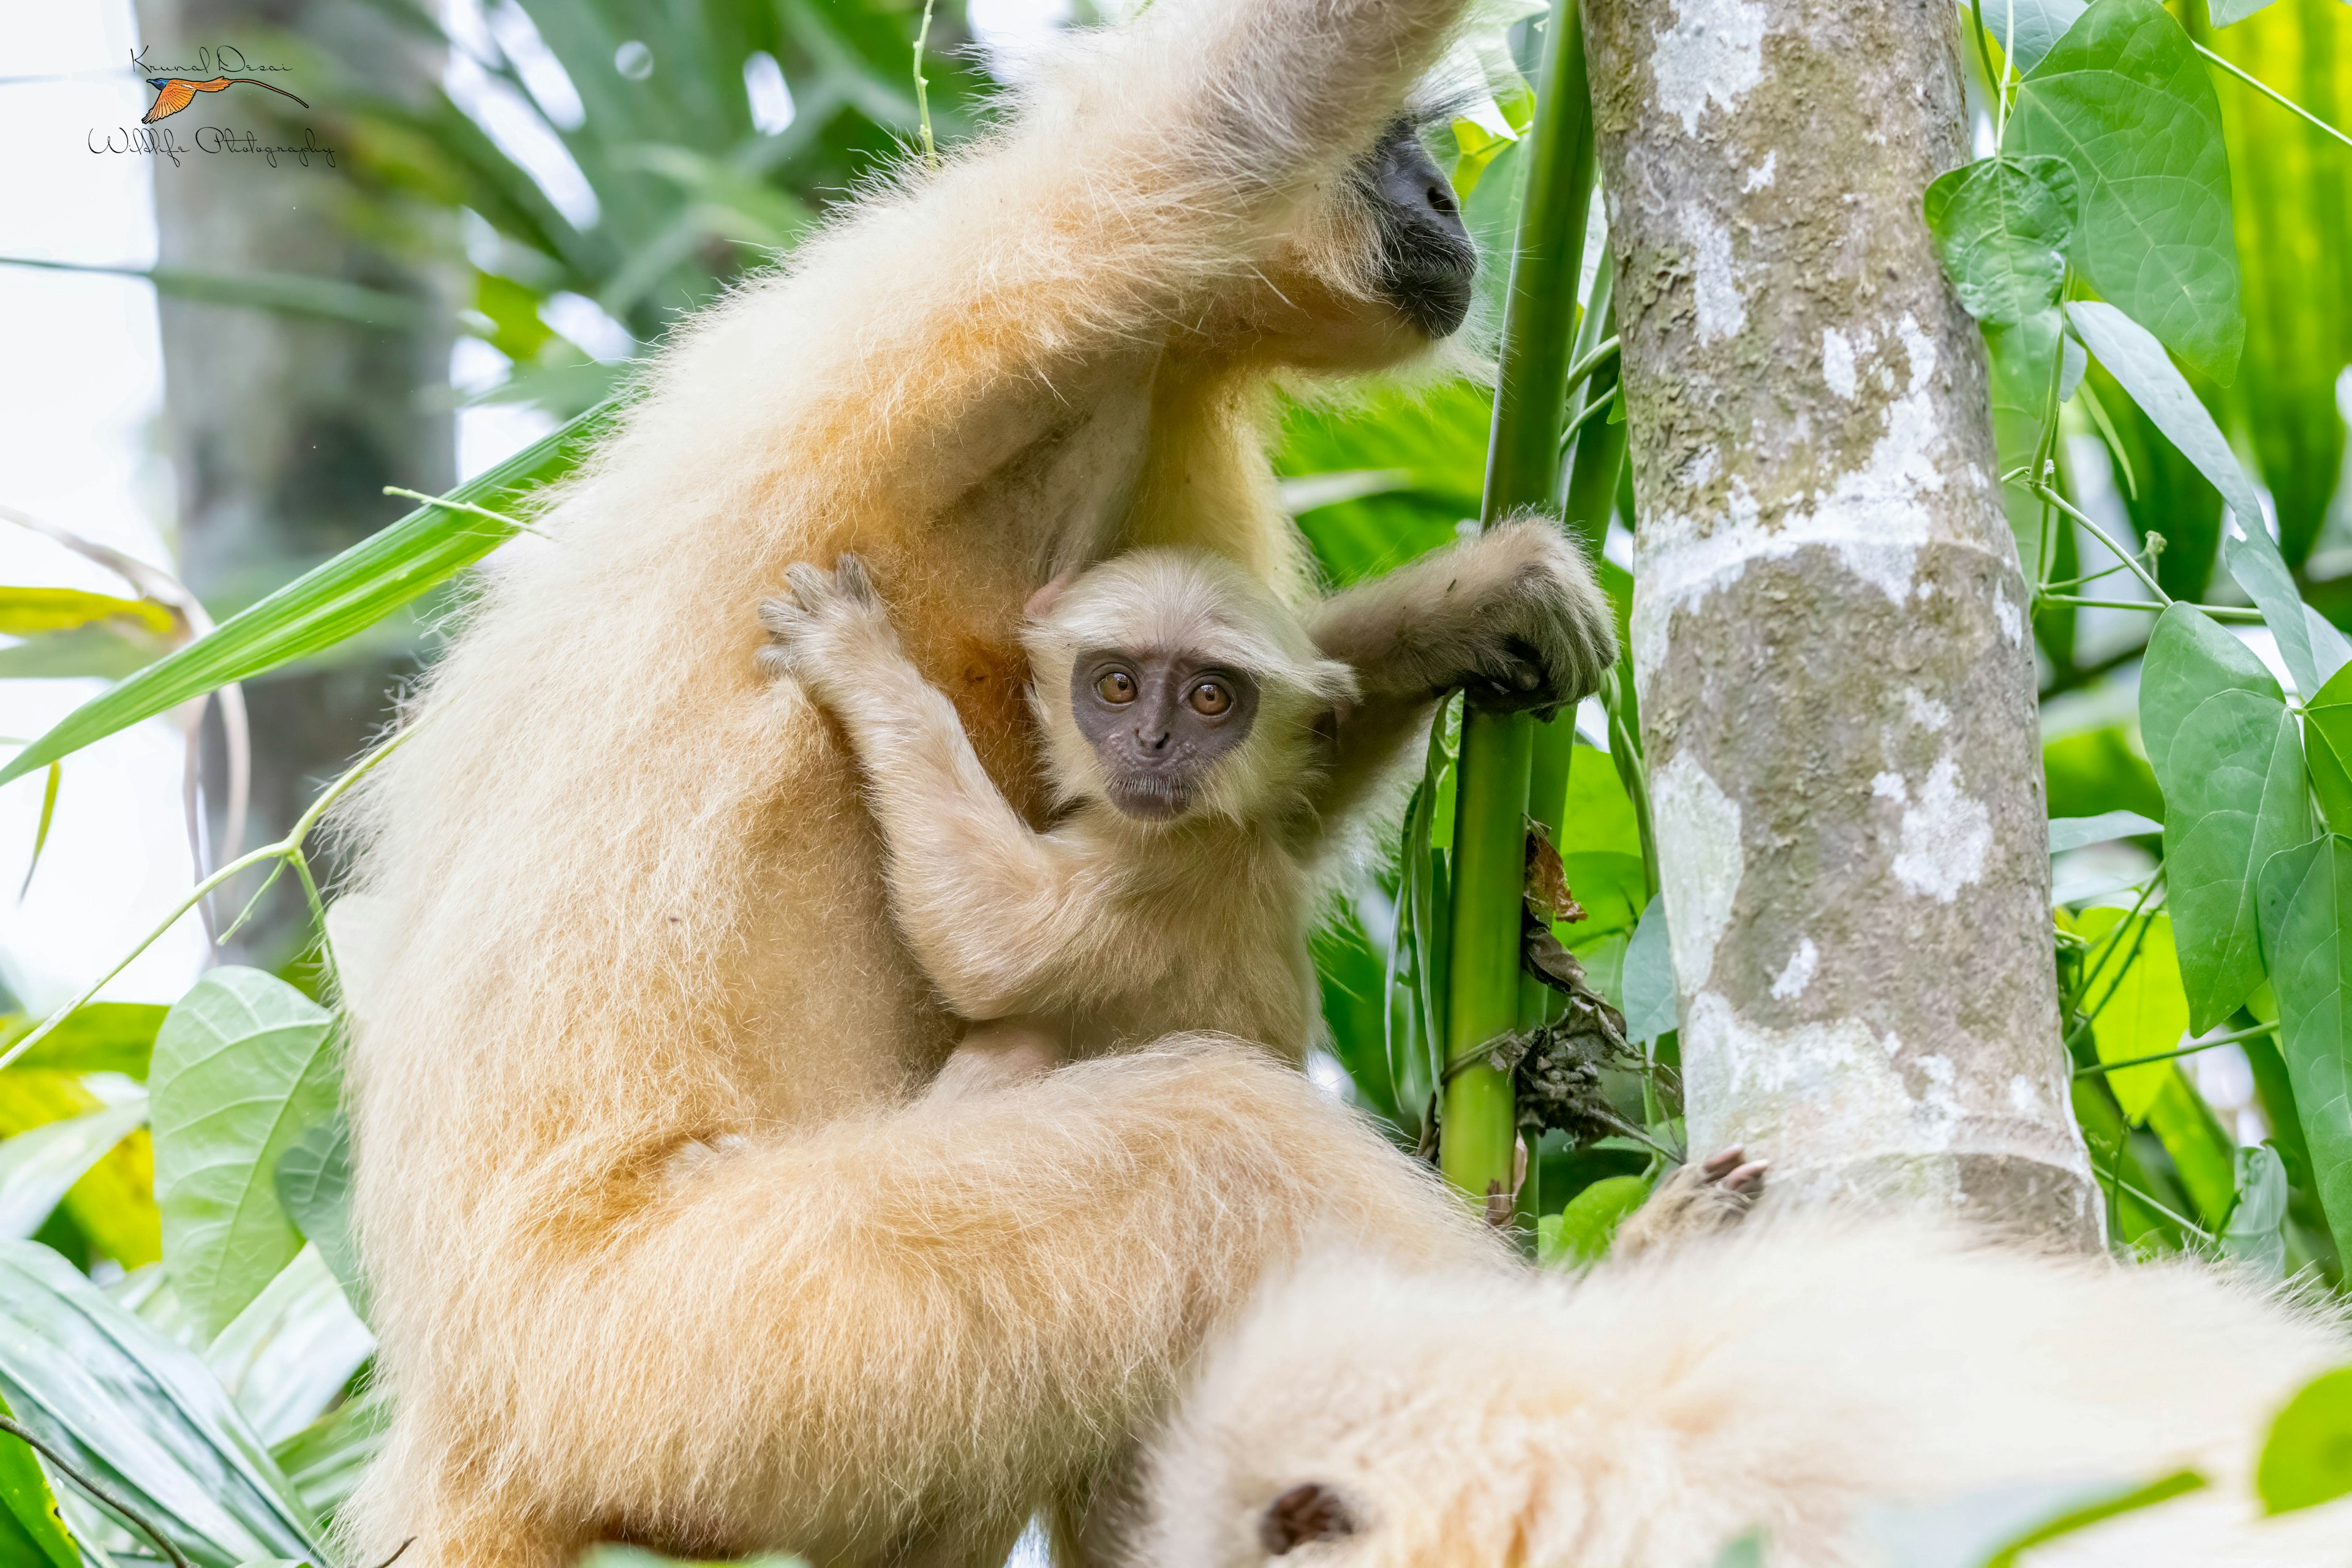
x,y
2040,25
1580,1233
36,1168
1597,817
31,1532
2234,797
2226,12
2093,771
329,602
314,1187
30,612
2168,496
99,1037
142,1415
101,650
324,1459
2204,1155
244,1067
288,1355
2189,658
1612,889
2019,363
2293,188
2136,360
1434,435
2000,228
2307,1457
2074,831
1649,978
2123,99
287,293
2256,1234
2307,908
2135,998
2327,746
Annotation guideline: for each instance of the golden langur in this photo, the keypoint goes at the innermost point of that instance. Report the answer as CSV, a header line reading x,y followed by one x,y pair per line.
x,y
1839,1384
1207,762
616,897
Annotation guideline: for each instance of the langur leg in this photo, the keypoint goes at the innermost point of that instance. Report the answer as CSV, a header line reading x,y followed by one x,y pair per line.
x,y
906,1329
1692,1201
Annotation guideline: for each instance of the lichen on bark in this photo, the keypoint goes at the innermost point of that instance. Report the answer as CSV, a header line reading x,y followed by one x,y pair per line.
x,y
1829,622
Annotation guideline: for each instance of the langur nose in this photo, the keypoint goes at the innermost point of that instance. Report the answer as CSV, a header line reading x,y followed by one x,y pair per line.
x,y
1152,740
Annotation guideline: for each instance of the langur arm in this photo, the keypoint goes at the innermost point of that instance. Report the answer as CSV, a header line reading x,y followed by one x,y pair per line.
x,y
1149,176
967,877
1512,616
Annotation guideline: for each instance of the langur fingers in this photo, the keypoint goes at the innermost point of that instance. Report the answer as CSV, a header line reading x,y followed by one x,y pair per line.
x,y
812,587
855,582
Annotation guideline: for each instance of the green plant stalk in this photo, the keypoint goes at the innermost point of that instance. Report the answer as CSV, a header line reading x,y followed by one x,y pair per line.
x,y
1478,1119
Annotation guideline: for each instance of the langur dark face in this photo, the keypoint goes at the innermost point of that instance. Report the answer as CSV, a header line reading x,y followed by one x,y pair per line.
x,y
1160,723
1427,263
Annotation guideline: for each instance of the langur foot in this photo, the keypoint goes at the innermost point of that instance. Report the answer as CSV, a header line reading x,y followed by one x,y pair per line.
x,y
994,1055
833,625
1694,1200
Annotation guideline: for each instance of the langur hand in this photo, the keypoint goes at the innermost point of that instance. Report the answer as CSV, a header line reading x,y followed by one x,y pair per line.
x,y
1695,1199
1512,616
830,633
1532,627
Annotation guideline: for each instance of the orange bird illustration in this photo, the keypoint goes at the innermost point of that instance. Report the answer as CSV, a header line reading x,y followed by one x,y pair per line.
x,y
174,93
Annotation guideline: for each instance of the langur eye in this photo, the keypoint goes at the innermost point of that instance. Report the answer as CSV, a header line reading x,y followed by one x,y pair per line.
x,y
1209,698
1116,687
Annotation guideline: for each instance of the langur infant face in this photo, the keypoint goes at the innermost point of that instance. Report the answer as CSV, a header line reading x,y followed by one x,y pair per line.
x,y
1160,722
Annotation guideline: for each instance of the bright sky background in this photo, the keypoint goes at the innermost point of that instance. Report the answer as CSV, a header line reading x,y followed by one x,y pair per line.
x,y
79,448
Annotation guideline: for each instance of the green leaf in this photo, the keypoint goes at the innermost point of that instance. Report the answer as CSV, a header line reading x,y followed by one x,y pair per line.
x,y
2123,99
2138,362
2135,998
2256,1233
2077,1519
2327,744
1649,978
2307,1457
327,604
2234,797
97,1036
143,1415
288,293
2225,12
2093,771
2306,910
245,1066
1613,890
324,1459
314,1188
31,1531
2040,25
29,612
37,1167
2001,227
1580,1233
2074,831
2189,658
102,649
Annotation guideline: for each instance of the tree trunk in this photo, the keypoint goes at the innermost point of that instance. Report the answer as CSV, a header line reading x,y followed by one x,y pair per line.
x,y
1829,627
283,430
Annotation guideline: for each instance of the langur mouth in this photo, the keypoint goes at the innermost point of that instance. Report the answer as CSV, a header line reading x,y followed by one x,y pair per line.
x,y
1149,800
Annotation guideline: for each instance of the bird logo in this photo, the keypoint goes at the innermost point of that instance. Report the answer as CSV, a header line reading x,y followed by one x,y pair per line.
x,y
174,93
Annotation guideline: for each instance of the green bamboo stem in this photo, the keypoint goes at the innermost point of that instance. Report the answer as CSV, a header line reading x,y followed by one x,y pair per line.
x,y
1478,1119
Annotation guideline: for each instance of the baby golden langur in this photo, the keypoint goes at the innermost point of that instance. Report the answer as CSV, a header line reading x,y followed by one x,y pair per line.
x,y
1189,720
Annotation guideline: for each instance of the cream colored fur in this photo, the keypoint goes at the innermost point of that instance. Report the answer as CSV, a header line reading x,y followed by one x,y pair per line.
x,y
625,899
1104,931
1799,1374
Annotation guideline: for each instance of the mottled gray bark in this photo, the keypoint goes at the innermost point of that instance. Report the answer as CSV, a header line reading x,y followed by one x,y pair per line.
x,y
283,430
1829,628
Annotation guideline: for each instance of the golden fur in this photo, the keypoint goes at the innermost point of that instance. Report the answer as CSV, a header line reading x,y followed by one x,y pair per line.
x,y
1107,931
1807,1374
617,898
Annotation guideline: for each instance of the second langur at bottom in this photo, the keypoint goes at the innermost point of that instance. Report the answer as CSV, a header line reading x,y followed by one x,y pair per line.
x,y
1189,722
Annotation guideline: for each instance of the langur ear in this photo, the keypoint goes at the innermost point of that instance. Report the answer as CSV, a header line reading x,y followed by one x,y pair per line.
x,y
1041,602
1307,1512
